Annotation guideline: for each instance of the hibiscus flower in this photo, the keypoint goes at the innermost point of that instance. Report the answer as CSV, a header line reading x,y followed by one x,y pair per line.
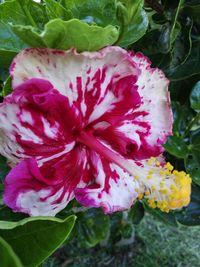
x,y
89,126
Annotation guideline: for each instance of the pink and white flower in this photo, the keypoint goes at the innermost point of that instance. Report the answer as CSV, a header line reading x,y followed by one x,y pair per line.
x,y
88,126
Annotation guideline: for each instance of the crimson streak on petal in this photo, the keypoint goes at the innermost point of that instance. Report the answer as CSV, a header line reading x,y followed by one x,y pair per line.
x,y
77,119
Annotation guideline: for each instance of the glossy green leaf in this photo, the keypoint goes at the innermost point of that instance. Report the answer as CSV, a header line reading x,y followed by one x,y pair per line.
x,y
182,45
176,146
193,10
6,214
92,227
12,12
192,160
195,97
7,89
6,57
4,169
4,73
63,35
168,218
101,13
195,140
22,12
56,10
190,68
105,13
10,44
191,215
136,213
180,91
192,165
8,258
8,40
136,29
34,239
170,30
175,25
180,120
195,123
137,26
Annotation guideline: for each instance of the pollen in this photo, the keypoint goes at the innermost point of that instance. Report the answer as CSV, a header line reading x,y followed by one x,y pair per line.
x,y
169,167
147,193
165,188
149,177
151,161
153,188
157,163
136,177
163,191
140,196
152,203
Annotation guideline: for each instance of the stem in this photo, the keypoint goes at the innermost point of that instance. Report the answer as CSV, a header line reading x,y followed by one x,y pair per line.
x,y
90,141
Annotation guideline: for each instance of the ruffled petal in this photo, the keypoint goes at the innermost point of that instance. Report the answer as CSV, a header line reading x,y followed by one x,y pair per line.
x,y
112,89
139,124
25,191
155,110
32,123
46,190
90,80
113,189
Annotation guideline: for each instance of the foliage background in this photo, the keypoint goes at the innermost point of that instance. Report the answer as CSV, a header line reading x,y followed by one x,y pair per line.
x,y
168,32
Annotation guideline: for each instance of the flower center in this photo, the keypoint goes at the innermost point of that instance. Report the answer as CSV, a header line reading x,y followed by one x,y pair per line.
x,y
161,185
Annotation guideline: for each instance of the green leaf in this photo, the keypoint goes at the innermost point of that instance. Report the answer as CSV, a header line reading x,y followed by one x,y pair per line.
x,y
190,68
6,214
26,12
92,227
192,160
10,44
176,90
34,239
168,218
101,13
180,120
170,30
176,146
137,27
193,11
56,10
150,43
4,169
192,165
195,97
136,213
174,29
8,256
12,12
195,123
4,73
7,89
63,35
191,215
182,45
6,57
8,40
